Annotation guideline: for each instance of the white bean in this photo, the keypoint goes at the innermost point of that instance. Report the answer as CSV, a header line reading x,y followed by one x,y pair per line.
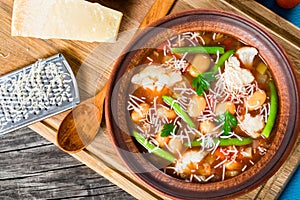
x,y
165,112
196,106
175,145
256,100
221,108
140,113
199,64
206,127
162,141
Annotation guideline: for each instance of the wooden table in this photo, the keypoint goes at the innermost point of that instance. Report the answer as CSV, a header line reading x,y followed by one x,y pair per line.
x,y
32,167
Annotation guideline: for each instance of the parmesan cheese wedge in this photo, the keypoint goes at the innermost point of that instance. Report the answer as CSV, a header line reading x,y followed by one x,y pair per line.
x,y
65,19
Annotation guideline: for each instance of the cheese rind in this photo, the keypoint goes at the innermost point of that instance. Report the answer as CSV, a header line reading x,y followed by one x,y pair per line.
x,y
65,19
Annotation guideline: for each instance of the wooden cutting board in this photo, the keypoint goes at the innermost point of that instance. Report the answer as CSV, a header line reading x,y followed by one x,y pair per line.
x,y
91,62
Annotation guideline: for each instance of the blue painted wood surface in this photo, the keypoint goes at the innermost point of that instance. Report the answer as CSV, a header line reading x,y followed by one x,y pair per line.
x,y
292,15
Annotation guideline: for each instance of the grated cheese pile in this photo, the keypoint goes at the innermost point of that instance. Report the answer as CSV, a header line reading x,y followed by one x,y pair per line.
x,y
28,93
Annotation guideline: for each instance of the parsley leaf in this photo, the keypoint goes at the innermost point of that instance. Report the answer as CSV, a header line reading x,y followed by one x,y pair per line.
x,y
209,76
201,82
229,121
168,129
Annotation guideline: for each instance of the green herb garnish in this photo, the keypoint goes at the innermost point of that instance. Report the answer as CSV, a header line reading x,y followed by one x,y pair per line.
x,y
229,120
168,129
202,82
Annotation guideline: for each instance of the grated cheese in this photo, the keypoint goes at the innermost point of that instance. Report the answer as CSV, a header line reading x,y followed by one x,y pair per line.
x,y
215,148
26,94
223,172
209,178
220,163
235,85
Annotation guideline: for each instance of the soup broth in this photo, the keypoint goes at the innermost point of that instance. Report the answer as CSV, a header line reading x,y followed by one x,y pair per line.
x,y
202,102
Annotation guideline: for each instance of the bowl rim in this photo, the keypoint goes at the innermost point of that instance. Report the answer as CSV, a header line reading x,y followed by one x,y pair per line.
x,y
289,144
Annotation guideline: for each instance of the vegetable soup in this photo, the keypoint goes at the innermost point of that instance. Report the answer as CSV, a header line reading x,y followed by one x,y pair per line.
x,y
206,103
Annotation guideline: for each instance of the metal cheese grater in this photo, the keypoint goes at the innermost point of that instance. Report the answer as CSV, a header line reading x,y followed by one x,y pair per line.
x,y
36,92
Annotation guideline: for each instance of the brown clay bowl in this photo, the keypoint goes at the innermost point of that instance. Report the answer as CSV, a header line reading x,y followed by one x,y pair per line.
x,y
284,133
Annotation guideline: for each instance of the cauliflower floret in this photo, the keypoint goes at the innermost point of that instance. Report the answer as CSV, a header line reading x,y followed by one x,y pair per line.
x,y
252,125
235,77
233,62
156,77
246,55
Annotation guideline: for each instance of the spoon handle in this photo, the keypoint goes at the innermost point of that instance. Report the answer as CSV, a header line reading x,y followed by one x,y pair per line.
x,y
100,96
159,9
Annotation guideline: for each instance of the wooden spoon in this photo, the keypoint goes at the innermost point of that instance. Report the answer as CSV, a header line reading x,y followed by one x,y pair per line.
x,y
81,125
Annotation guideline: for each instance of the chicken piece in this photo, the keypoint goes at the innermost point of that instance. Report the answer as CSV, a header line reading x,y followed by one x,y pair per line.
x,y
156,77
189,158
246,56
252,125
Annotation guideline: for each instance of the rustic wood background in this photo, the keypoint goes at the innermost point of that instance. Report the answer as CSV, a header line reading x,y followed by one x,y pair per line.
x,y
31,167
